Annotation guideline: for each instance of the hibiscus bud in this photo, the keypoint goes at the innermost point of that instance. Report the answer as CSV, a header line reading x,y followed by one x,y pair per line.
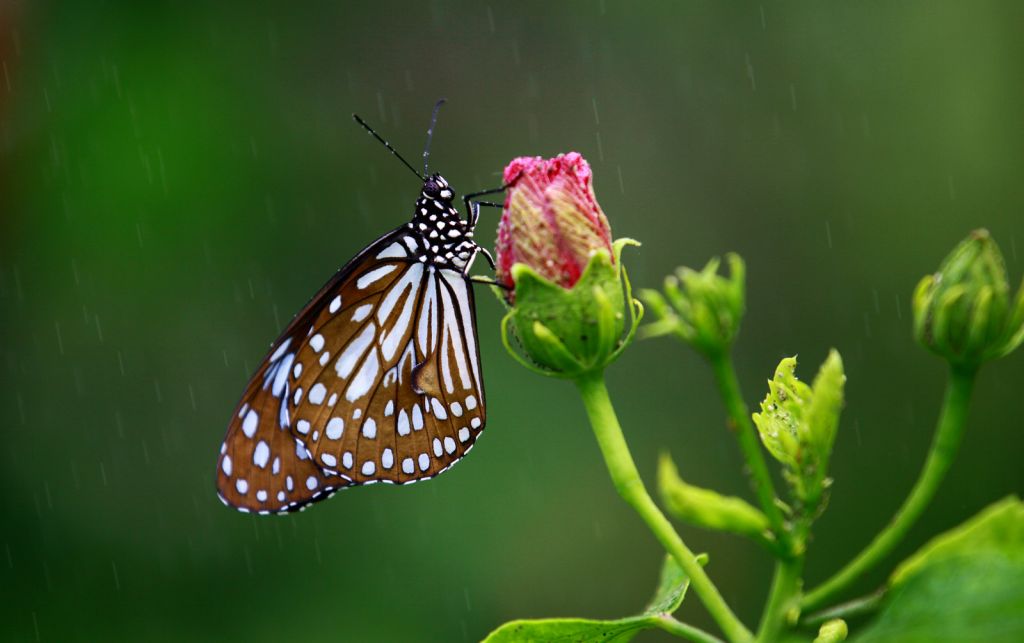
x,y
552,221
556,256
702,308
964,312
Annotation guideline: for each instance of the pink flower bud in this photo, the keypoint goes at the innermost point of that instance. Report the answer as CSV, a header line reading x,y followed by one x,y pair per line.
x,y
551,221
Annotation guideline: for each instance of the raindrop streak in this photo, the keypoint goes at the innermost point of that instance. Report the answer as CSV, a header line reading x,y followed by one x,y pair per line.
x,y
117,579
593,101
35,625
899,310
878,306
60,340
490,19
600,148
622,186
750,72
192,396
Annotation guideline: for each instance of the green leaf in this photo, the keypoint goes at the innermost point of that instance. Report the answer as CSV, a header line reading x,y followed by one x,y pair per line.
x,y
965,585
667,599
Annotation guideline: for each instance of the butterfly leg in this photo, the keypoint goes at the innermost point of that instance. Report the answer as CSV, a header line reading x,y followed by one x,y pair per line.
x,y
472,213
477,279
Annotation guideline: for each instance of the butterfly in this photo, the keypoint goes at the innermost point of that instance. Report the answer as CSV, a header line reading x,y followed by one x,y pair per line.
x,y
377,378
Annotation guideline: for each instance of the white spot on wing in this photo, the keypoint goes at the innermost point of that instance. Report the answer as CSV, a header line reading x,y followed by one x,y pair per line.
x,y
350,357
369,429
335,428
261,455
335,304
362,312
317,393
394,251
369,278
364,379
250,423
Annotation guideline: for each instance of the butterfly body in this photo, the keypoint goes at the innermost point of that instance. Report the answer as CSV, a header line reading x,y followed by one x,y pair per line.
x,y
377,379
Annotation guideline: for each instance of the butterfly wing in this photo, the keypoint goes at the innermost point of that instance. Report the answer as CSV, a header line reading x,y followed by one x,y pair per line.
x,y
261,467
390,390
377,373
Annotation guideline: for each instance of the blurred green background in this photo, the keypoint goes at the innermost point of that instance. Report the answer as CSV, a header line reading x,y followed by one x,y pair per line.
x,y
176,181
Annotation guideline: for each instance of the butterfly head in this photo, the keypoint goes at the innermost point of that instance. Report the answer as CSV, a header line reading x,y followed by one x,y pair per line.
x,y
436,188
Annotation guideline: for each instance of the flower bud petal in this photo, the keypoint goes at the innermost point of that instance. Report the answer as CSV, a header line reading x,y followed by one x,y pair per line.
x,y
551,220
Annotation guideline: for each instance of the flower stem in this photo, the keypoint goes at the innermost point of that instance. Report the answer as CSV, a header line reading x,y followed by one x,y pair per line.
x,y
739,416
784,596
627,482
948,434
685,631
856,607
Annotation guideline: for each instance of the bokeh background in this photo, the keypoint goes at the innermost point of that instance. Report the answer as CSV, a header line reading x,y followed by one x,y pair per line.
x,y
176,180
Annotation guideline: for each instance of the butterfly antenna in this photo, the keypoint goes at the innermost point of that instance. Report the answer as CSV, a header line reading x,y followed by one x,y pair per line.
x,y
430,135
388,145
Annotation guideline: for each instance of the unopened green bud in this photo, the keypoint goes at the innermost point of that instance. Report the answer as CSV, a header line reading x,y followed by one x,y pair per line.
x,y
707,508
797,423
703,308
568,332
964,312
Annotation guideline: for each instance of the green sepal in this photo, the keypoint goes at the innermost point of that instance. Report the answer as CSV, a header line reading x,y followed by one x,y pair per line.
x,y
706,508
570,332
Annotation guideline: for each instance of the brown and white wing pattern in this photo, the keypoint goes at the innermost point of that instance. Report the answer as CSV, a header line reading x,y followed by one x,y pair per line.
x,y
396,395
376,380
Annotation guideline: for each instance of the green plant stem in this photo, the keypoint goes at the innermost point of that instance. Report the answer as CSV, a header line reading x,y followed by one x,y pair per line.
x,y
948,434
683,630
729,387
849,609
784,596
627,482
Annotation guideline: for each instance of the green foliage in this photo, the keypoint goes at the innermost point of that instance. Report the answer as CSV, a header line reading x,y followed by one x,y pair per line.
x,y
798,424
569,332
707,508
667,599
701,307
964,312
967,584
